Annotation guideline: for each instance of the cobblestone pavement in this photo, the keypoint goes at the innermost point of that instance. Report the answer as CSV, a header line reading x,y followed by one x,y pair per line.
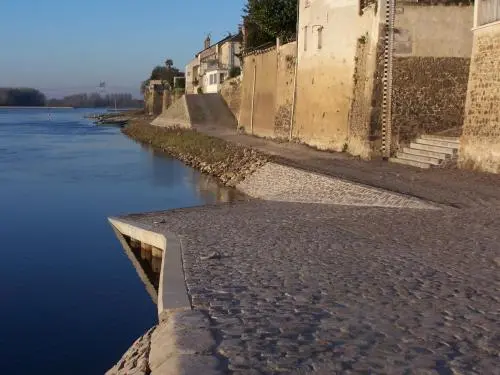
x,y
304,288
281,183
459,188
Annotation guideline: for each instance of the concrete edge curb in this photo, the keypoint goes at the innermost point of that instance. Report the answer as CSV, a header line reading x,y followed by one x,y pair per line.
x,y
182,342
172,290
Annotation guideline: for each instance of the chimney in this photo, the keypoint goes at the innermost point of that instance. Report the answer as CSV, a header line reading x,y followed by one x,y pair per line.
x,y
207,41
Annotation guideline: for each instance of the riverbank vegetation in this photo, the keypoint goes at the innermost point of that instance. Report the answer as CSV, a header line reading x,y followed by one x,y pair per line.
x,y
229,162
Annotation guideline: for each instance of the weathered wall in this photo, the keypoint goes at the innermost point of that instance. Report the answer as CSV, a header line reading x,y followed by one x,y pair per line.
x,y
329,33
265,93
231,92
431,68
364,117
153,102
285,86
480,142
441,30
429,95
268,83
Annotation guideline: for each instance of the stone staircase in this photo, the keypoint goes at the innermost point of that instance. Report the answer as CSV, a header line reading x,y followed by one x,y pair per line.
x,y
429,151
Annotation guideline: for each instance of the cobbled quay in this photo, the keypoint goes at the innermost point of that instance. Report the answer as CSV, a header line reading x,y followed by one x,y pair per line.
x,y
333,289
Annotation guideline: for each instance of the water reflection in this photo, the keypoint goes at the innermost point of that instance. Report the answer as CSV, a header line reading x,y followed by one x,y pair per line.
x,y
208,188
146,262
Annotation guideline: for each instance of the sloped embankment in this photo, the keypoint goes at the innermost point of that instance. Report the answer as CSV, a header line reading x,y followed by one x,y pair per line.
x,y
229,162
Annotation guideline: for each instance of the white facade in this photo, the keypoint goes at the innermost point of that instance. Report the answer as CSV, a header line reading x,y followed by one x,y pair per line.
x,y
212,80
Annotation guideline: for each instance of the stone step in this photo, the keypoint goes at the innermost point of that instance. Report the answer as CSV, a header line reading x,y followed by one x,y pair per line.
x,y
439,149
431,154
441,138
419,158
412,163
437,142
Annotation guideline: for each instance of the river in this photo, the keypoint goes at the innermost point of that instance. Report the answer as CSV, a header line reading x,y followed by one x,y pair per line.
x,y
71,301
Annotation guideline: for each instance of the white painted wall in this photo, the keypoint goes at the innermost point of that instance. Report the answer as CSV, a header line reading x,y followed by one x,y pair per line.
x,y
212,81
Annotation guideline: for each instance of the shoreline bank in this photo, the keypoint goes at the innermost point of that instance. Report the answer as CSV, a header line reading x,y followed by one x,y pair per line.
x,y
228,162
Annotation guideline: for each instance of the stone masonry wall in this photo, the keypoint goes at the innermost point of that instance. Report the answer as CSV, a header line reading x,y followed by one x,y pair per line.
x,y
480,142
231,92
429,95
432,46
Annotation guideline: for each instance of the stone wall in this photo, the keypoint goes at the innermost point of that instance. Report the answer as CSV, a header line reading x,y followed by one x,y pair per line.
x,y
429,95
433,44
267,91
231,92
285,87
480,142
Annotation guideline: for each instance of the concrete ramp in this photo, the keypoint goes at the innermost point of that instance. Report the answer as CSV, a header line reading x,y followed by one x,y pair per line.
x,y
176,115
208,110
198,111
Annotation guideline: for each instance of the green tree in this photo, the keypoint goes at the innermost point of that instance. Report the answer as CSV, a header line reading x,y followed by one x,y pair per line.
x,y
166,73
266,20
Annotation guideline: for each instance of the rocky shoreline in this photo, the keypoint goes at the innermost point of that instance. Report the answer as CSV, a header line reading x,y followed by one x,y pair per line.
x,y
229,163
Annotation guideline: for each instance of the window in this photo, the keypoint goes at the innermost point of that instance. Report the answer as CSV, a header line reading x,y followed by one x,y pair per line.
x,y
213,78
305,37
488,12
320,37
221,78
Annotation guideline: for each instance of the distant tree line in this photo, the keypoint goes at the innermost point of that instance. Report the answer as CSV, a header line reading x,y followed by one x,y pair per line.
x,y
25,97
28,97
96,100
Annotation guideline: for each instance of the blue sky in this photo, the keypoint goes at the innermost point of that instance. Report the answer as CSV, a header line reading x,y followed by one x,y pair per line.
x,y
67,46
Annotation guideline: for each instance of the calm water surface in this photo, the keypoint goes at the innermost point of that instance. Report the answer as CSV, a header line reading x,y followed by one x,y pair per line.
x,y
71,302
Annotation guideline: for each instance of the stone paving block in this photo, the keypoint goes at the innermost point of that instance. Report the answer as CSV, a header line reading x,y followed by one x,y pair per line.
x,y
349,289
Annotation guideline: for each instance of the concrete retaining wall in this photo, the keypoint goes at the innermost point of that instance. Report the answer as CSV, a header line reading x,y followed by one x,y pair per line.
x,y
267,92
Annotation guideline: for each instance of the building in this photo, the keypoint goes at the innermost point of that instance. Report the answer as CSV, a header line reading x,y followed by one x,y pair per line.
x,y
211,66
342,99
480,141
